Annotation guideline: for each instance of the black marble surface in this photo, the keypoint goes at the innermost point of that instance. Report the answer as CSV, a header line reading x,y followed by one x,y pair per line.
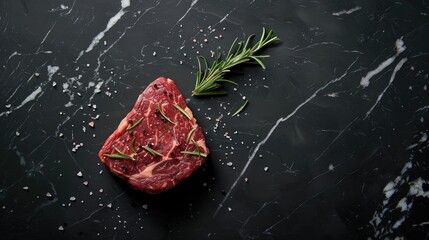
x,y
333,143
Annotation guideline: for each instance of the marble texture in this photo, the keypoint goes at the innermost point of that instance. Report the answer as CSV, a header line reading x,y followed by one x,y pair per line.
x,y
333,144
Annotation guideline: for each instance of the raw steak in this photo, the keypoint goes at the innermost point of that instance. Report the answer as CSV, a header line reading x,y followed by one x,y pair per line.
x,y
158,143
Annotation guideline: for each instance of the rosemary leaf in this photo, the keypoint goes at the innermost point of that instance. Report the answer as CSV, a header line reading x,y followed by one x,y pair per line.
x,y
163,115
208,78
135,124
241,108
190,134
119,151
117,156
194,153
151,151
196,146
182,111
132,145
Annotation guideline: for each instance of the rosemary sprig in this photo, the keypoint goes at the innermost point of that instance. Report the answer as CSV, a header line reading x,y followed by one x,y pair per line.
x,y
163,115
120,155
151,151
194,153
208,80
182,111
135,124
117,156
241,108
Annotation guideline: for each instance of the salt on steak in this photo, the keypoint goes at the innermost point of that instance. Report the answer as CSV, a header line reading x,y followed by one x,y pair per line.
x,y
158,143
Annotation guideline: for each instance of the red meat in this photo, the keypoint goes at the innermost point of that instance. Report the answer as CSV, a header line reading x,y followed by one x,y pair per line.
x,y
158,143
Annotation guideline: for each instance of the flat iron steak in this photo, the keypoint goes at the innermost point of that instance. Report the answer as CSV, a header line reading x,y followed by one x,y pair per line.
x,y
158,143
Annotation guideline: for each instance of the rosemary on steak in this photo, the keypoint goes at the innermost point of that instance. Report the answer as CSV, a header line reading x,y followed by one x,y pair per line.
x,y
119,155
163,114
183,111
135,124
194,153
151,151
209,79
190,134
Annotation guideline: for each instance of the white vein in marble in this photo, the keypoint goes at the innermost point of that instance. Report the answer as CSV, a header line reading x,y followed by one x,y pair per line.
x,y
352,10
113,20
392,78
186,13
400,47
383,222
36,93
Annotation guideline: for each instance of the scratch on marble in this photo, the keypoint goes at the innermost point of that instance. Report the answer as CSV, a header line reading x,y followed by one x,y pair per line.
x,y
267,230
242,231
331,168
97,210
336,138
12,72
112,21
392,78
184,15
257,212
71,155
44,39
224,17
39,145
400,47
273,128
22,161
46,203
352,10
317,44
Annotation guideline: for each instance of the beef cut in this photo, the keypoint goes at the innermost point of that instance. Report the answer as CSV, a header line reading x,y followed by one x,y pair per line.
x,y
158,143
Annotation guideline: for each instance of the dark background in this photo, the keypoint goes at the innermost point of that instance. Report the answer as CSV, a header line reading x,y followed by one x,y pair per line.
x,y
344,161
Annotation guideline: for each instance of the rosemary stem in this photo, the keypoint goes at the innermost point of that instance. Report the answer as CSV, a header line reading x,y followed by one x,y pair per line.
x,y
209,78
